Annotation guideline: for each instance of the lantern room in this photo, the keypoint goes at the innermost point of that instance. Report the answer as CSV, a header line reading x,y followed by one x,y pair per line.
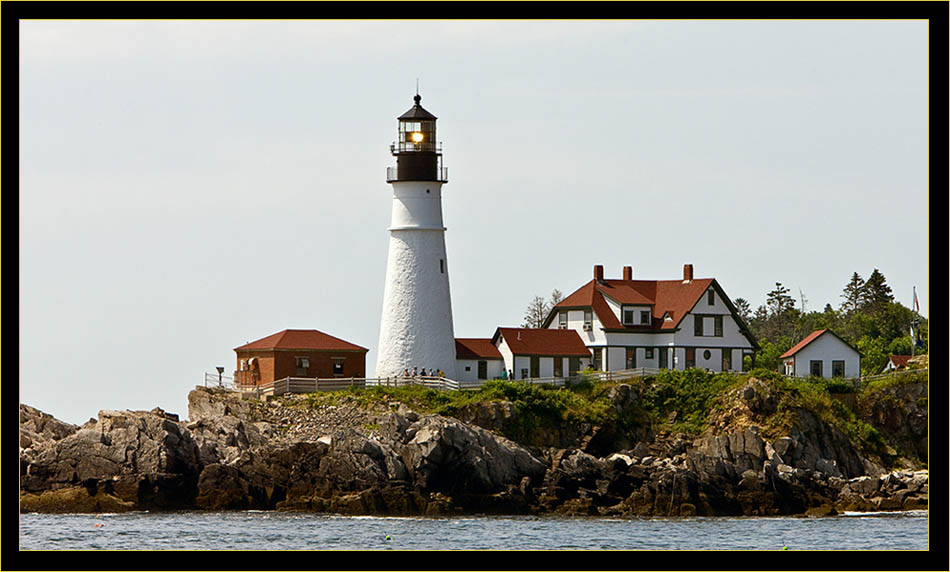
x,y
418,154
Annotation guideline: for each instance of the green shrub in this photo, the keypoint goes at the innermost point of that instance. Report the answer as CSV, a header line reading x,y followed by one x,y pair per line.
x,y
692,394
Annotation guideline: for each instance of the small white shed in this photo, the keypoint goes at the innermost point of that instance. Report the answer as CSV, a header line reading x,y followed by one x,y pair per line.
x,y
822,354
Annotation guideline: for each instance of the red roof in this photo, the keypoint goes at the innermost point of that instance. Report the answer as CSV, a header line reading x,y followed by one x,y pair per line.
x,y
300,340
808,339
900,361
542,342
812,337
671,297
476,348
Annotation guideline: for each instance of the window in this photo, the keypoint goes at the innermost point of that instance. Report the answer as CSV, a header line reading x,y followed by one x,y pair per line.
x,y
717,327
558,367
664,363
631,358
698,326
648,353
535,366
482,369
628,314
337,366
690,357
815,367
707,354
597,360
303,365
726,359
442,265
588,319
524,373
711,297
562,320
837,368
645,317
468,368
573,365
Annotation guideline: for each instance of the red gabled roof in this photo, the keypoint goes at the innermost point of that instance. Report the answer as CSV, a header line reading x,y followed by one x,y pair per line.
x,y
812,337
808,339
300,340
900,361
671,297
476,348
542,342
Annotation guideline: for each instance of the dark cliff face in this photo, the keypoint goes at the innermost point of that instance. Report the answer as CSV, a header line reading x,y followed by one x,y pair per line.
x,y
350,458
899,413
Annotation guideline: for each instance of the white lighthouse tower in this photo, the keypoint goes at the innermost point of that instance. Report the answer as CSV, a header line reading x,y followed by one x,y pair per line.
x,y
416,327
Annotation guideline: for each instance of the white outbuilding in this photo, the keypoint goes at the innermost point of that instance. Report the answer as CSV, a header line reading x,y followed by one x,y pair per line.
x,y
822,354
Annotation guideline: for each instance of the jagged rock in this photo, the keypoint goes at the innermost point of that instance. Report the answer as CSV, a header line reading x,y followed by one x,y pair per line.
x,y
37,427
445,455
727,455
291,453
151,451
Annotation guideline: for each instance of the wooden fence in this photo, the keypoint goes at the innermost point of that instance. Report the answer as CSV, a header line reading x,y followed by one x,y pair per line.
x,y
312,385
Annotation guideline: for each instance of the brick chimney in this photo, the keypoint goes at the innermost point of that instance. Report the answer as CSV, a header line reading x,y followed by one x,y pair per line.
x,y
599,273
687,273
628,272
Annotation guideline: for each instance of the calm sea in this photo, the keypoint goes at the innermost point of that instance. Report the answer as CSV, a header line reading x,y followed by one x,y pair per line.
x,y
295,531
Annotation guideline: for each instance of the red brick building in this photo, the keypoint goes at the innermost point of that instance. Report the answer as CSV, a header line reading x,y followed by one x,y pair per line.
x,y
298,353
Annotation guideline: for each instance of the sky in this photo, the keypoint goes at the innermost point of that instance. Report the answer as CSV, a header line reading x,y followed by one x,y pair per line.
x,y
190,186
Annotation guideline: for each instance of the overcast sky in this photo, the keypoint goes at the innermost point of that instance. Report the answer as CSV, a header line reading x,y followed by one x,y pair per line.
x,y
189,186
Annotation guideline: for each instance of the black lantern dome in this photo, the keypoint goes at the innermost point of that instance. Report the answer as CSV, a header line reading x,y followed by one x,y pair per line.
x,y
418,155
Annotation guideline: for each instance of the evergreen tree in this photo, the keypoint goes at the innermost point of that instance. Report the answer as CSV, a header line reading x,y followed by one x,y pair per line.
x,y
743,309
778,301
877,294
853,294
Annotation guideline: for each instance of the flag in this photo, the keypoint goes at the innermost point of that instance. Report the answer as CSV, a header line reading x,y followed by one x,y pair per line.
x,y
916,303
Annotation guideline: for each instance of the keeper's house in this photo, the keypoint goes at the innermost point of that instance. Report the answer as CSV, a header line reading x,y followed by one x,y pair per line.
x,y
822,354
298,353
662,324
534,353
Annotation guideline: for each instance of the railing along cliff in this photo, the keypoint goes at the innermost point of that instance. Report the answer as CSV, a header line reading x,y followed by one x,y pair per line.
x,y
313,385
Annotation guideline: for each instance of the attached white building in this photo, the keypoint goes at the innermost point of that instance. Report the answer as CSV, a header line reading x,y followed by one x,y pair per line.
x,y
822,354
896,363
534,353
662,324
477,359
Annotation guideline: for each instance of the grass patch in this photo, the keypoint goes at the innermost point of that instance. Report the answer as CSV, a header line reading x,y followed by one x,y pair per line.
x,y
692,394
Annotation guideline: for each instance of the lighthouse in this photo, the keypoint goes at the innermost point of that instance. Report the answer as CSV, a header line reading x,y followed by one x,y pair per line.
x,y
416,324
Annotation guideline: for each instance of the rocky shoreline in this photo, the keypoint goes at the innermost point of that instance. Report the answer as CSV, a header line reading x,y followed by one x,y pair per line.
x,y
386,459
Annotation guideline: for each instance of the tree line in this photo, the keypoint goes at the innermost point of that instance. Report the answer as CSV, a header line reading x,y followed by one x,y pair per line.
x,y
867,317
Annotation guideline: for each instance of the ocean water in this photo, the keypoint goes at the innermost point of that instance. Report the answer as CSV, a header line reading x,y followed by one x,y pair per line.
x,y
253,530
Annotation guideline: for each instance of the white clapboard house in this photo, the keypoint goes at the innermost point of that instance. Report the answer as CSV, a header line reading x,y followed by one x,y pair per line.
x,y
661,324
541,353
822,354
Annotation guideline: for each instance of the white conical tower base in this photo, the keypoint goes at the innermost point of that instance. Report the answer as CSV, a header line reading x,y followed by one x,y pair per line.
x,y
416,327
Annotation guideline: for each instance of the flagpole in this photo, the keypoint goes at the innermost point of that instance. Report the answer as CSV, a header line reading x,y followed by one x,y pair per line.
x,y
913,324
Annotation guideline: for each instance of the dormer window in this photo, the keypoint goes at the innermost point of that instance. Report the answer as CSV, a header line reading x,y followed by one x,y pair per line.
x,y
562,320
711,296
636,316
628,314
588,320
